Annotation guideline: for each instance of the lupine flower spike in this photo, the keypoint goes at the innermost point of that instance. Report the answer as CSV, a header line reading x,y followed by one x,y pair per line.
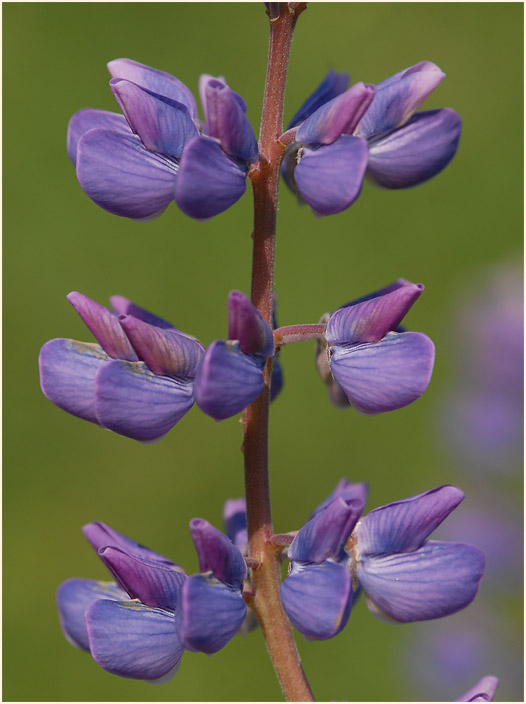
x,y
343,135
367,360
140,626
138,381
135,164
405,577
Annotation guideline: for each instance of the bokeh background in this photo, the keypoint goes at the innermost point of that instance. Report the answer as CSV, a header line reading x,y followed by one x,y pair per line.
x,y
452,234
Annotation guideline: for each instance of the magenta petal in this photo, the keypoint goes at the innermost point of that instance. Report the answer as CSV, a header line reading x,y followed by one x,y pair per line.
x,y
101,535
417,151
124,306
226,119
332,85
398,98
325,534
67,375
209,614
166,352
209,181
372,319
122,176
483,691
246,325
153,80
132,640
73,598
339,116
403,526
330,178
436,580
318,599
104,325
153,583
216,553
163,125
386,375
90,119
132,401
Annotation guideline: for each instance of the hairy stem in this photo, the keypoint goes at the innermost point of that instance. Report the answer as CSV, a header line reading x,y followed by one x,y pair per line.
x,y
266,579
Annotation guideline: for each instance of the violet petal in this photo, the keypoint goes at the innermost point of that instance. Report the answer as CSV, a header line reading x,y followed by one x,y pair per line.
x,y
164,125
372,319
89,119
226,119
132,640
235,522
104,325
386,375
227,380
124,306
73,598
153,80
330,178
325,534
436,580
398,98
216,552
166,352
348,491
332,85
336,117
417,151
117,172
209,181
318,599
132,401
67,375
209,614
403,526
246,325
153,583
101,535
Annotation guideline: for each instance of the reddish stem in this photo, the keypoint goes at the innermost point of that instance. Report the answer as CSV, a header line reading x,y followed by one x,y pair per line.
x,y
297,333
265,176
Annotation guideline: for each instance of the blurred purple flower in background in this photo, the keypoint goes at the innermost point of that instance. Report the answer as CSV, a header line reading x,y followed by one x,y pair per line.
x,y
138,381
140,626
131,165
343,135
405,577
367,360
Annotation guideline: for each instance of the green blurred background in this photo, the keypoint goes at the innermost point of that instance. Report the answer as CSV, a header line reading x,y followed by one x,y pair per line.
x,y
60,472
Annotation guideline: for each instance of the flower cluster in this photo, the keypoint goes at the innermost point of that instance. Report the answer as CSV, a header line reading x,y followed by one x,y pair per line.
x,y
341,136
386,554
136,163
144,375
153,601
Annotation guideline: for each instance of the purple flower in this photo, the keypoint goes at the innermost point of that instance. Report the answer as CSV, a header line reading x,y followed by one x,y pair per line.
x,y
140,626
483,691
367,360
135,165
138,381
230,375
326,163
405,577
371,131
